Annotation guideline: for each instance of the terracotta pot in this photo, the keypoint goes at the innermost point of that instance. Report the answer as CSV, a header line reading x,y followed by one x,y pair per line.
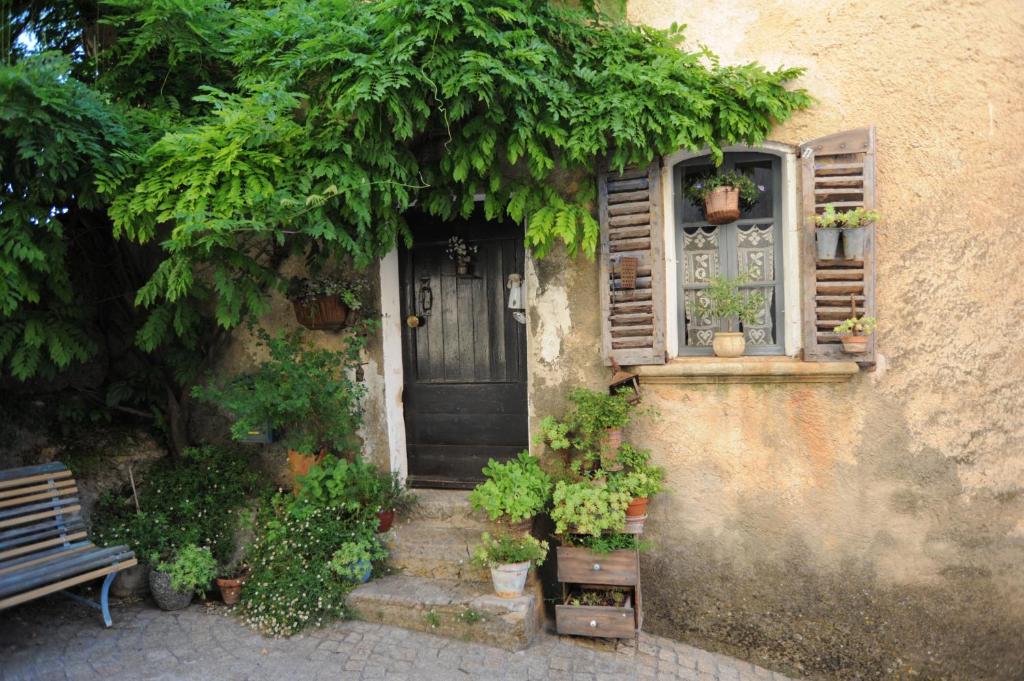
x,y
385,519
729,344
299,464
230,589
722,205
637,508
326,313
855,345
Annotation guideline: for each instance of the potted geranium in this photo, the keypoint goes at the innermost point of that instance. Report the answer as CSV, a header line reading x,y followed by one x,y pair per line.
x,y
325,303
462,253
854,332
174,582
230,583
722,194
722,299
305,392
640,479
854,234
514,492
509,558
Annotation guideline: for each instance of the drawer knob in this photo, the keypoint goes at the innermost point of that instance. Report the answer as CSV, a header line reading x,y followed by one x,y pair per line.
x,y
597,566
593,623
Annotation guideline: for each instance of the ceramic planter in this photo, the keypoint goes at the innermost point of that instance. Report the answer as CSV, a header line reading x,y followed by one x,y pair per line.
x,y
385,519
853,242
826,242
166,596
510,580
230,589
729,344
855,345
722,205
299,464
324,313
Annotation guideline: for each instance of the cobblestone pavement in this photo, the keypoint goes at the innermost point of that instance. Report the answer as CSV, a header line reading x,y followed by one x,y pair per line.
x,y
56,639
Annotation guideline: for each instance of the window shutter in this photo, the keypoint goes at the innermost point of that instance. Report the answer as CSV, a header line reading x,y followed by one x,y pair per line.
x,y
633,318
838,169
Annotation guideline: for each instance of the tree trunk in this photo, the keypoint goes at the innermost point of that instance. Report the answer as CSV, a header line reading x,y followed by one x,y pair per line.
x,y
177,423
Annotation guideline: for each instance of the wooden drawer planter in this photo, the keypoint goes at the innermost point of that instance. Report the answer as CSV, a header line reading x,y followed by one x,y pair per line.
x,y
582,568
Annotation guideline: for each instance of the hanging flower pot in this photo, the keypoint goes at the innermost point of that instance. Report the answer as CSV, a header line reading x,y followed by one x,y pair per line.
x,y
853,242
855,332
826,242
323,313
326,303
722,205
855,345
462,254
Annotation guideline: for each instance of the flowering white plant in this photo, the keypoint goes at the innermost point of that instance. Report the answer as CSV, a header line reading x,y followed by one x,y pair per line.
x,y
459,251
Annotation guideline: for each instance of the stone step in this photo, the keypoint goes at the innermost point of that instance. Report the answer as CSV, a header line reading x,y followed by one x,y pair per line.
x,y
449,508
467,612
437,552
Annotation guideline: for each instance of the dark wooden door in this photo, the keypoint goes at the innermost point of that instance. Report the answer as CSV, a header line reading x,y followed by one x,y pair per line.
x,y
465,366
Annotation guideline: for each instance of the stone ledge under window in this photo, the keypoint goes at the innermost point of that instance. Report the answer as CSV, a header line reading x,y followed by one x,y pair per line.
x,y
746,370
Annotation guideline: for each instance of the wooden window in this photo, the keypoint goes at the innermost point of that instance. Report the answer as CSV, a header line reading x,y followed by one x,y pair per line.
x,y
752,244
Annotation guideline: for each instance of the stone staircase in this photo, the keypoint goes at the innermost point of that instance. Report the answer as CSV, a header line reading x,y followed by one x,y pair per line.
x,y
435,587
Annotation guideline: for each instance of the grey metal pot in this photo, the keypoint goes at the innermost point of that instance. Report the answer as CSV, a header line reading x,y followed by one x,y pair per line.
x,y
164,594
826,240
853,242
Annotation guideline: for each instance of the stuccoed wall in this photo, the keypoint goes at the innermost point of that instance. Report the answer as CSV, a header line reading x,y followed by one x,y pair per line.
x,y
877,526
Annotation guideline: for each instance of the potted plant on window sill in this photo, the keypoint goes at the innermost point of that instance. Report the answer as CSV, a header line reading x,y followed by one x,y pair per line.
x,y
514,493
855,333
509,558
722,195
722,299
304,392
325,303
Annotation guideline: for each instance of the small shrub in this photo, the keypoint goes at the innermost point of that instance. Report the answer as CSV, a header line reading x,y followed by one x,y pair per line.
x,y
352,558
515,490
192,569
723,299
606,543
588,507
639,477
856,326
506,549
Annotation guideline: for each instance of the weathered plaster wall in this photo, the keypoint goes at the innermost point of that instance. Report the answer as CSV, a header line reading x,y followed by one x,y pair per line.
x,y
876,527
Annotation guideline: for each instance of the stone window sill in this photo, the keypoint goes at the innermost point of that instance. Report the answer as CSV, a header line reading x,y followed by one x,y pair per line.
x,y
746,370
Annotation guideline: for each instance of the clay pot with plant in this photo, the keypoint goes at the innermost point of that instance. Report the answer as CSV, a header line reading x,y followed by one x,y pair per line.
x,y
640,480
855,333
305,392
353,561
326,303
391,498
514,492
724,299
230,584
510,559
723,195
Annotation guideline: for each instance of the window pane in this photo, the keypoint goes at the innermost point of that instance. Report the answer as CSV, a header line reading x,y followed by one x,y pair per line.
x,y
701,261
755,255
761,173
691,212
700,331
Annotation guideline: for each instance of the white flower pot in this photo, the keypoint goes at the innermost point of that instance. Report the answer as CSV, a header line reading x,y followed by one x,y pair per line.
x,y
729,344
510,580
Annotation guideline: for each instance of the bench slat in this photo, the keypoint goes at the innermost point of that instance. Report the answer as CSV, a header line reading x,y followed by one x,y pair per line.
x,y
52,494
28,471
64,538
66,510
42,477
49,525
19,581
59,484
24,562
28,508
66,583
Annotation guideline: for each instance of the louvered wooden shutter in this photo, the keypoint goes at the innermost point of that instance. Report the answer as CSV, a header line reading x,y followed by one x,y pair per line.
x,y
633,319
838,169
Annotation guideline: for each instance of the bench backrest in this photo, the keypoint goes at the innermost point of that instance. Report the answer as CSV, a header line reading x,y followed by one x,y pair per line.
x,y
39,510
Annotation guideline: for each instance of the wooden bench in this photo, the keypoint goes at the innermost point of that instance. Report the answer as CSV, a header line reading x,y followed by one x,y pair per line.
x,y
43,546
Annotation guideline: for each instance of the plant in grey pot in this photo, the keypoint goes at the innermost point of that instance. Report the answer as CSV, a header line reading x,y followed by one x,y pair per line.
x,y
826,236
509,558
723,299
173,583
854,232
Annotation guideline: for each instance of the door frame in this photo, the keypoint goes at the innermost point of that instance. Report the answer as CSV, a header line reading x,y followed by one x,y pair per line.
x,y
394,370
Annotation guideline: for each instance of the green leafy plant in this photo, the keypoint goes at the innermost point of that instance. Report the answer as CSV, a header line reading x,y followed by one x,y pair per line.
x,y
199,501
509,548
351,291
608,542
723,299
394,495
588,507
515,490
356,485
597,597
638,477
698,190
432,618
354,558
582,432
856,217
306,392
856,326
192,569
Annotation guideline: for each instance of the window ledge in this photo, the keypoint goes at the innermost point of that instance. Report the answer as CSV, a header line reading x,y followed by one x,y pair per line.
x,y
746,370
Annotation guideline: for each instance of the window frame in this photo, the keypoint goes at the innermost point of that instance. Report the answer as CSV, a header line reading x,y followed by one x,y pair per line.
x,y
789,306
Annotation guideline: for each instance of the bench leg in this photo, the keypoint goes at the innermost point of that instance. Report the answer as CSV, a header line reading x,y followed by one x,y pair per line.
x,y
104,605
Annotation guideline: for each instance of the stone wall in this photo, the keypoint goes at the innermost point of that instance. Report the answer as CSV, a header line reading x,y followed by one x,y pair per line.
x,y
875,527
